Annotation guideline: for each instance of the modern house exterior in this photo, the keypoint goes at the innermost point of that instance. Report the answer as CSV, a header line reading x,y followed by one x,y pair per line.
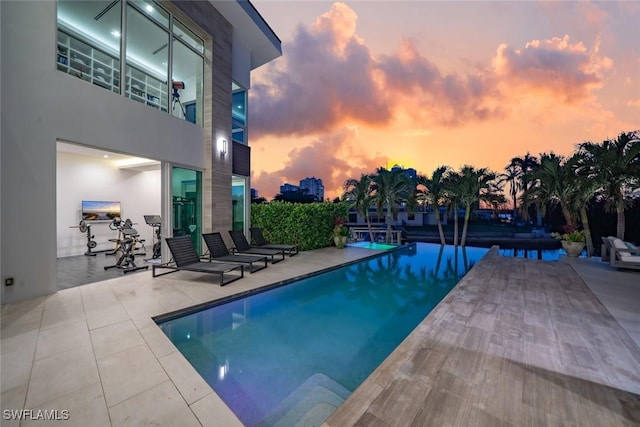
x,y
162,85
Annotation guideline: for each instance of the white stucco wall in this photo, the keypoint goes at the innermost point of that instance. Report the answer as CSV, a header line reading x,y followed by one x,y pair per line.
x,y
41,105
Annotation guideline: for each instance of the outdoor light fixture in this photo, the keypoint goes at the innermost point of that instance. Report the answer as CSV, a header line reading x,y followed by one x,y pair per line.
x,y
223,147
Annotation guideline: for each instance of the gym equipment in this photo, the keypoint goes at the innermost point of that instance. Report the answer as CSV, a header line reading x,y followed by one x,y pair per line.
x,y
86,228
120,226
156,222
126,256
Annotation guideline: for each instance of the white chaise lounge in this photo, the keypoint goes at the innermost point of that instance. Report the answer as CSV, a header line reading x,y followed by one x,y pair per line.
x,y
624,255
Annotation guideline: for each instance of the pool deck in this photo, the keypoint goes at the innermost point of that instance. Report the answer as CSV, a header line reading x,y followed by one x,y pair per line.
x,y
516,342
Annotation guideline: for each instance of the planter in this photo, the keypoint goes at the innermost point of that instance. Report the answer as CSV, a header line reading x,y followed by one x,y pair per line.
x,y
340,241
573,249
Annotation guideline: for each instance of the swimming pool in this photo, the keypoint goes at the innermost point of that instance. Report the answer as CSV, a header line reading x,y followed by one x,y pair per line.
x,y
372,245
543,254
296,352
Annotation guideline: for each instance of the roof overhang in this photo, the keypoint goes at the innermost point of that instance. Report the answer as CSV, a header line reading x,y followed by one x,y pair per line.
x,y
251,30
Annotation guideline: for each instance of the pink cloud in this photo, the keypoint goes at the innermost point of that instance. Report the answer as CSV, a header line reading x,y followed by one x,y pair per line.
x,y
326,75
558,67
445,99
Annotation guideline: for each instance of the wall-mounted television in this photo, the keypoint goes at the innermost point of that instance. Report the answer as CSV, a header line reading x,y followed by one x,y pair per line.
x,y
98,210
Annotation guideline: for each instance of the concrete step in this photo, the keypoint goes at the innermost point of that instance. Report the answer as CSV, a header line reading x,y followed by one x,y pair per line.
x,y
309,405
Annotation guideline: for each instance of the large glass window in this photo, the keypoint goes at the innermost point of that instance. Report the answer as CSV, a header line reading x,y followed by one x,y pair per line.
x,y
89,41
152,10
239,113
187,36
147,59
186,95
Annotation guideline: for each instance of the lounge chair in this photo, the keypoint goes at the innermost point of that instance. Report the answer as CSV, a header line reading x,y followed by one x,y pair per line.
x,y
605,248
261,242
242,246
186,258
218,252
624,255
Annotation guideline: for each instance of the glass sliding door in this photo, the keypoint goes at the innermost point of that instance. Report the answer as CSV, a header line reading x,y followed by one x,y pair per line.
x,y
239,203
186,192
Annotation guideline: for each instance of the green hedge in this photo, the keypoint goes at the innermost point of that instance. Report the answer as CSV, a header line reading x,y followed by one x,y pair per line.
x,y
309,225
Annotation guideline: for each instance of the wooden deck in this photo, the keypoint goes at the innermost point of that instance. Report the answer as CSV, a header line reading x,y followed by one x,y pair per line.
x,y
517,342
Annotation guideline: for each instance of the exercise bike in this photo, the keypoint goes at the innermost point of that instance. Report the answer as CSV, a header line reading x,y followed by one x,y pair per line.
x,y
118,225
156,222
126,259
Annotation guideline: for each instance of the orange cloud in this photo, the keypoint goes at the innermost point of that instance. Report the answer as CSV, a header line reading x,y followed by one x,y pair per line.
x,y
556,67
344,111
326,77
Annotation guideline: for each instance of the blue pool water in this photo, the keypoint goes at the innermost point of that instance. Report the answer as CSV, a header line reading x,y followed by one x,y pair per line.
x,y
304,347
546,254
374,245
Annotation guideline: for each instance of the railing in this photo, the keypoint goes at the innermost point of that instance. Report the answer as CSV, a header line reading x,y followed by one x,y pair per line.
x,y
379,234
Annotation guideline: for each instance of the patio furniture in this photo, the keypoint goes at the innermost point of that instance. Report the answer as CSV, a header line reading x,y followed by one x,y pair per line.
x,y
185,258
242,246
605,248
218,252
261,242
624,255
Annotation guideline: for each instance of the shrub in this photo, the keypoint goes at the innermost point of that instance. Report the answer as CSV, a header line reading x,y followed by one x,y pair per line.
x,y
309,225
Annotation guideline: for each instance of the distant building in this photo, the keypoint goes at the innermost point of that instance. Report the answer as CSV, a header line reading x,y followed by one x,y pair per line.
x,y
411,173
314,187
288,187
254,193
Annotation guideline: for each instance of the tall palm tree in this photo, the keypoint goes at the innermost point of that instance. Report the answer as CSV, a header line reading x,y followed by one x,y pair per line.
x,y
513,178
359,194
551,186
451,200
473,186
524,166
616,164
431,190
582,190
391,189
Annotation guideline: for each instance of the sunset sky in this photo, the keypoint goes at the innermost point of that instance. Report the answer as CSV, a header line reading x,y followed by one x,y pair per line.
x,y
363,84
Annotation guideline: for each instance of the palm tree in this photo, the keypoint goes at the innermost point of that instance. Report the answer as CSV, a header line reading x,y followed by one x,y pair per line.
x,y
582,190
391,189
551,186
525,166
431,190
616,165
513,178
451,200
359,194
473,185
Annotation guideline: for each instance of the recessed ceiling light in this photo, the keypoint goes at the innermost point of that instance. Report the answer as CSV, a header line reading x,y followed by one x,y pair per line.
x,y
106,156
115,33
149,8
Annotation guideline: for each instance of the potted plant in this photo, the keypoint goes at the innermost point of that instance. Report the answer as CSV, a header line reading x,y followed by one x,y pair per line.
x,y
340,233
572,240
